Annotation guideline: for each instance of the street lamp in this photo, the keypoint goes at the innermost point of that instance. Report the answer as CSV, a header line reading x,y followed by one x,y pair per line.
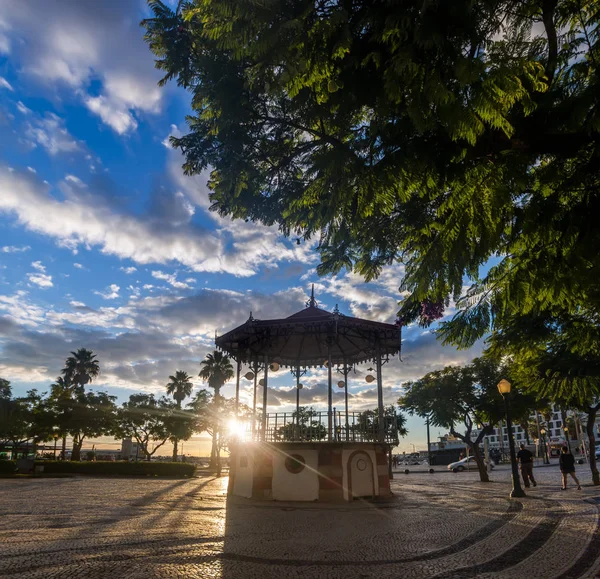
x,y
545,448
517,491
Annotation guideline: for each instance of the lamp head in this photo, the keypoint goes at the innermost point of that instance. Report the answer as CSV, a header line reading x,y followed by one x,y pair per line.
x,y
249,375
504,387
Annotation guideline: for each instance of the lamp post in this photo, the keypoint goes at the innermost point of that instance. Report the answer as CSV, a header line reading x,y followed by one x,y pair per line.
x,y
544,447
517,491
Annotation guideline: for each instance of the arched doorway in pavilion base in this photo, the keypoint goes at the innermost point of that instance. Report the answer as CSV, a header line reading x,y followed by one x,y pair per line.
x,y
309,471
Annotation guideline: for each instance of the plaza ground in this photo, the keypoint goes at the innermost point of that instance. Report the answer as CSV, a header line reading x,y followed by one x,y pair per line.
x,y
442,525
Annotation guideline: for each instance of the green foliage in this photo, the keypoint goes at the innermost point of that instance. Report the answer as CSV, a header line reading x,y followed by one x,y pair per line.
x,y
149,421
180,386
81,367
216,370
466,395
439,134
306,426
174,469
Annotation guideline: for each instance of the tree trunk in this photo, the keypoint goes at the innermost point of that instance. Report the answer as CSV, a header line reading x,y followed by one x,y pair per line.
x,y
483,474
76,452
175,451
218,457
63,452
591,420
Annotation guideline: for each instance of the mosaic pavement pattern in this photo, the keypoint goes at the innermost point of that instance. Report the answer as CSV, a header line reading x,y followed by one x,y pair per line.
x,y
443,526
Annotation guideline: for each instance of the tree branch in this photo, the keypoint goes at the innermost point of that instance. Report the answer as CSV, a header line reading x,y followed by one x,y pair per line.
x,y
548,7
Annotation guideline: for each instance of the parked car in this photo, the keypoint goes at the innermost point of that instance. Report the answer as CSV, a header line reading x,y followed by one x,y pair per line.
x,y
468,463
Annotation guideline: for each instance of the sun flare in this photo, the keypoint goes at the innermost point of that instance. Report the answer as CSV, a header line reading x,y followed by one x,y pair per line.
x,y
236,428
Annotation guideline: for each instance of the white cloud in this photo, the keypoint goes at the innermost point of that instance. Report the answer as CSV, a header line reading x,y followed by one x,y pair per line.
x,y
75,180
78,265
15,249
66,44
91,222
40,279
76,304
38,265
5,84
128,270
111,293
23,109
120,119
50,133
171,279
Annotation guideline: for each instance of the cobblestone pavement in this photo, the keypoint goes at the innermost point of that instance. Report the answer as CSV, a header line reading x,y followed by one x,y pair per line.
x,y
442,525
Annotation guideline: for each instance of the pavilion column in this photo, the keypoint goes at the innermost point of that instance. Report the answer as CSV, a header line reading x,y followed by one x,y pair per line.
x,y
298,395
237,387
329,397
380,414
264,412
254,401
346,400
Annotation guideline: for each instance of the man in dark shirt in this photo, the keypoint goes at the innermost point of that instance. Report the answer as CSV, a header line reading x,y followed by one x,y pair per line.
x,y
526,461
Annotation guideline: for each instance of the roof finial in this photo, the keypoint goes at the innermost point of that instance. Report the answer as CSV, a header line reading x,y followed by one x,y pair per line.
x,y
312,302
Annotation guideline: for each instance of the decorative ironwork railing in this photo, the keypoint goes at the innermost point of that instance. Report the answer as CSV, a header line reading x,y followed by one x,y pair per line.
x,y
314,427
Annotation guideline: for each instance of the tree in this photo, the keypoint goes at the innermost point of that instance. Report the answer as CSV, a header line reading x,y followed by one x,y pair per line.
x,y
210,418
23,420
61,400
81,368
91,414
568,380
216,370
467,395
147,420
180,387
367,425
439,134
305,426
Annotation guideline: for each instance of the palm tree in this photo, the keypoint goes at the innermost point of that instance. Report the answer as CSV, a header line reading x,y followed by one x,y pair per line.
x,y
217,370
180,388
81,368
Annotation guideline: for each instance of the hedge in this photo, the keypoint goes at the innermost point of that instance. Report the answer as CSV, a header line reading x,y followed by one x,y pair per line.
x,y
176,469
7,466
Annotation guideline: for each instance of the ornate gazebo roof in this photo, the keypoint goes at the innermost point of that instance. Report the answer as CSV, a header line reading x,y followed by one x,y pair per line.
x,y
307,337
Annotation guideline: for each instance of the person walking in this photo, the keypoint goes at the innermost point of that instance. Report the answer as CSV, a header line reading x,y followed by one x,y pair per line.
x,y
525,458
567,466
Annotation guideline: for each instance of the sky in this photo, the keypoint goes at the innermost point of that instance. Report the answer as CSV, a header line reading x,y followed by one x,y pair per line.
x,y
106,245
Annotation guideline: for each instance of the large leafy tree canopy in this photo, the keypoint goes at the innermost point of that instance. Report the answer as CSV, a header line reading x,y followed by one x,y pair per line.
x,y
440,134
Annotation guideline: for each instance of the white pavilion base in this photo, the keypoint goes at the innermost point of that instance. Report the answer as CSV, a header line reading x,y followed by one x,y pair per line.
x,y
309,471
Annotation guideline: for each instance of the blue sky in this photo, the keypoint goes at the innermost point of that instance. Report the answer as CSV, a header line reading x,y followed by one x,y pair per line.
x,y
105,244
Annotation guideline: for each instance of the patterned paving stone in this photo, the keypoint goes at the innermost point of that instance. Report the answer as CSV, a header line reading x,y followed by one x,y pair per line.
x,y
443,525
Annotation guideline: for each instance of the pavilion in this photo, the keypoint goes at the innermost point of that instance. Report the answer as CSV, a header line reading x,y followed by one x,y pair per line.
x,y
292,458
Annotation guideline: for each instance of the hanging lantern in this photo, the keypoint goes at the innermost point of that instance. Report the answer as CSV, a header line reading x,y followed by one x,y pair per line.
x,y
261,382
249,375
300,386
326,363
341,384
274,367
369,378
